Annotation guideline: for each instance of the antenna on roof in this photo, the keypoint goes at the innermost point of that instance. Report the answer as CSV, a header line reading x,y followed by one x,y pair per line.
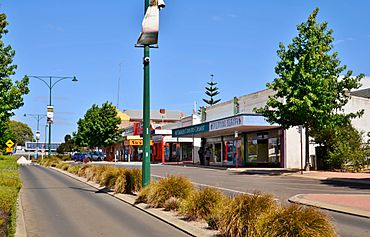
x,y
119,81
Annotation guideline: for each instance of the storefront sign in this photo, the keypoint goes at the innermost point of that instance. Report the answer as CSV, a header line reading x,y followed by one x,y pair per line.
x,y
195,129
157,138
138,142
226,123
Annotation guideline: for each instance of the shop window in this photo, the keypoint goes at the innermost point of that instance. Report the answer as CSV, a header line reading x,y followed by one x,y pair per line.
x,y
252,148
187,149
264,147
217,152
274,150
233,152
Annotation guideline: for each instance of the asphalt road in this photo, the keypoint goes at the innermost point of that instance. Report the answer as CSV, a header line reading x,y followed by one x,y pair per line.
x,y
282,187
56,205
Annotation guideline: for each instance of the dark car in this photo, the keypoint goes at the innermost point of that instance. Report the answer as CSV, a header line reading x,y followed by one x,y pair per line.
x,y
96,156
79,156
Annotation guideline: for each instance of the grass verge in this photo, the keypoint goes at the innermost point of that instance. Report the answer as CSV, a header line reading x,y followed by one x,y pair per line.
x,y
10,185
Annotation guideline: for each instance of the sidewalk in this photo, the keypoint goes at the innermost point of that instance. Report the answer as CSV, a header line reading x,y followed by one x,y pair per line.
x,y
358,205
360,178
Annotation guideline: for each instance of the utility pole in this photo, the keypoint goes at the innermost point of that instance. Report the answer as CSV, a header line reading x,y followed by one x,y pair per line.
x,y
119,82
146,114
148,39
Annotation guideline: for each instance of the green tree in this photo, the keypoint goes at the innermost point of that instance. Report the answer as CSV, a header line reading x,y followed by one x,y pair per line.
x,y
99,127
67,146
211,91
11,94
345,148
309,90
21,131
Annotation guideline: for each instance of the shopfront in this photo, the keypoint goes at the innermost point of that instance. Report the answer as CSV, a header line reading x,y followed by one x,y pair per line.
x,y
239,141
169,149
265,148
133,149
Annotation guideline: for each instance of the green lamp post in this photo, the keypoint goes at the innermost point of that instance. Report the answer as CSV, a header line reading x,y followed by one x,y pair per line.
x,y
38,118
48,80
148,39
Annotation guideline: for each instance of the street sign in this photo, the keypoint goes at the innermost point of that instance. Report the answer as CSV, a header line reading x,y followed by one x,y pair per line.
x,y
9,150
9,143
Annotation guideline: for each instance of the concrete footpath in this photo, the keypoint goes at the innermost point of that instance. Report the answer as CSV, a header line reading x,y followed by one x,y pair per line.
x,y
358,205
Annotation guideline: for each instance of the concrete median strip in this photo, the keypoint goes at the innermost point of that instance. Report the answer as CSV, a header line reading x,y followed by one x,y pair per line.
x,y
21,225
309,200
190,227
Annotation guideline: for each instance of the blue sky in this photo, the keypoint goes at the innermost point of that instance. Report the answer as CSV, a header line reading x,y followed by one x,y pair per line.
x,y
235,40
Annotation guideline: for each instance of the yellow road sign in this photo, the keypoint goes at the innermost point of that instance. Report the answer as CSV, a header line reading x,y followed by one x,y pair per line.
x,y
9,149
9,143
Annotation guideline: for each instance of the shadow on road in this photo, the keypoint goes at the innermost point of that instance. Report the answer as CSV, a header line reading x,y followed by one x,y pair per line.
x,y
348,182
262,172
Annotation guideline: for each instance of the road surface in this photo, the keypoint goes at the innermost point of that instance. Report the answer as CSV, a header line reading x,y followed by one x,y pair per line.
x,y
56,205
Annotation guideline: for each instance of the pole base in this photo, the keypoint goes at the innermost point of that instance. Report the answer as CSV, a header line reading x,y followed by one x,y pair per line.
x,y
307,167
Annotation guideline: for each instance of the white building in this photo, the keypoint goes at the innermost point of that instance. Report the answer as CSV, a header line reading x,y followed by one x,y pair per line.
x,y
236,136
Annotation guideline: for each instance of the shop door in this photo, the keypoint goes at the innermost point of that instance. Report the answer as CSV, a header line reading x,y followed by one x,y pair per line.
x,y
216,152
262,151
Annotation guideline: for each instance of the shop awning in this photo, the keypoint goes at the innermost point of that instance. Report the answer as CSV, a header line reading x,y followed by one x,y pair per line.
x,y
226,126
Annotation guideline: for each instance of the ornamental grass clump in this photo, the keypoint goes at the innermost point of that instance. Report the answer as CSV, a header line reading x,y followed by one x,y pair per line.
x,y
99,170
172,204
120,184
74,169
172,186
241,215
90,172
136,179
52,161
142,196
62,166
128,181
82,171
199,204
109,177
295,220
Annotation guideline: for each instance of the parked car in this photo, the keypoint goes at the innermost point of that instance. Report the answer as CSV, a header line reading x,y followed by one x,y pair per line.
x,y
96,156
79,156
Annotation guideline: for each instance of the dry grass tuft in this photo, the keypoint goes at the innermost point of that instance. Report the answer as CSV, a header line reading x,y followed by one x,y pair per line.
x,y
172,186
295,220
200,204
241,215
172,204
142,197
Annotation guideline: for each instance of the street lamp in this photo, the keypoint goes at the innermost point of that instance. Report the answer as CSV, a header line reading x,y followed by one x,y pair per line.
x,y
38,117
148,39
48,80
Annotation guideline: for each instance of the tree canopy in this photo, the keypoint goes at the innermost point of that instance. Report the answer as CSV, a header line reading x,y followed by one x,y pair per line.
x,y
99,127
309,87
21,131
312,86
11,94
68,145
